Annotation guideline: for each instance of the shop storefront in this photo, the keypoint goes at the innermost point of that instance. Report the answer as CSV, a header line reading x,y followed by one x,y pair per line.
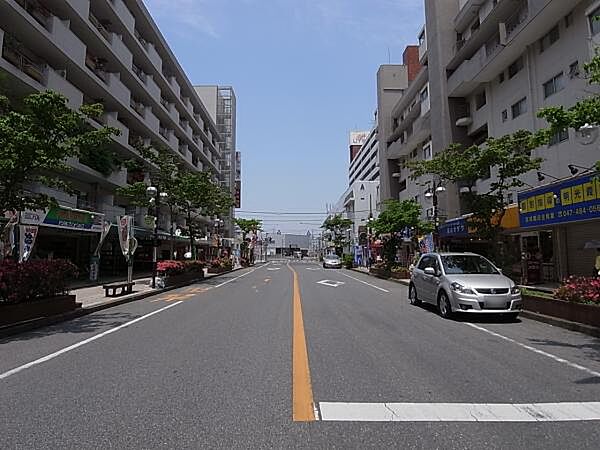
x,y
557,222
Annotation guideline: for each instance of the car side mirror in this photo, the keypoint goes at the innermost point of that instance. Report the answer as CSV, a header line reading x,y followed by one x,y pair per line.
x,y
429,271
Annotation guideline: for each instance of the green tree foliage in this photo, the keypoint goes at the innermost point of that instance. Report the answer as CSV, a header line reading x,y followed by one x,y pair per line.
x,y
247,226
36,138
506,158
396,216
585,111
337,227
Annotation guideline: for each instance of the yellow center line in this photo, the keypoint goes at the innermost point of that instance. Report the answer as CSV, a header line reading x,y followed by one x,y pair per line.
x,y
302,395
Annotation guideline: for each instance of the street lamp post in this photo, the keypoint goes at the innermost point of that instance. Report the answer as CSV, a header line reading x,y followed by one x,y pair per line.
x,y
432,192
155,196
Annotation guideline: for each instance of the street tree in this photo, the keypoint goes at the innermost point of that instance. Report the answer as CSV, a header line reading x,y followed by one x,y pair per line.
x,y
397,217
37,135
505,159
194,195
248,226
337,228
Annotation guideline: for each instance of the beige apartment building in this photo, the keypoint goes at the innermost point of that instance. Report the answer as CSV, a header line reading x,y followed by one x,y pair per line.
x,y
112,52
488,67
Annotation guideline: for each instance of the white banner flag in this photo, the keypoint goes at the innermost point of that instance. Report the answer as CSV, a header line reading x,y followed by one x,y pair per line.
x,y
125,233
28,235
105,230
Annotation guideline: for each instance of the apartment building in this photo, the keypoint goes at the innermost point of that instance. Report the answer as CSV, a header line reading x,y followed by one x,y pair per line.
x,y
111,52
364,163
220,102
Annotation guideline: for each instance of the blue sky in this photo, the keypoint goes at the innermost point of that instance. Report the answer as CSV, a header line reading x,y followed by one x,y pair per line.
x,y
304,76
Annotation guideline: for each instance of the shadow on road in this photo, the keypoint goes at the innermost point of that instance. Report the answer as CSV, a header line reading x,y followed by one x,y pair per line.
x,y
99,321
591,349
471,318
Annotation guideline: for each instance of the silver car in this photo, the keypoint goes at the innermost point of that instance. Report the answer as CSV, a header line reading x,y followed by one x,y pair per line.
x,y
463,282
332,261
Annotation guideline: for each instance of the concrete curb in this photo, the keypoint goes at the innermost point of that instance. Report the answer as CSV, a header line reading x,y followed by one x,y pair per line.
x,y
22,327
561,323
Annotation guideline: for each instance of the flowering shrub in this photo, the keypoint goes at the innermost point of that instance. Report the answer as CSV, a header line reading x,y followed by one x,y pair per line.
x,y
580,289
170,268
35,279
221,264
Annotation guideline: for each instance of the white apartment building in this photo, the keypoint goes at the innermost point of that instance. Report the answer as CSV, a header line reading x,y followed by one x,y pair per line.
x,y
111,52
365,164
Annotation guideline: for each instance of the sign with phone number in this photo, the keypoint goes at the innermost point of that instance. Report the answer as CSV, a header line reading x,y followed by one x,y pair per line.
x,y
572,200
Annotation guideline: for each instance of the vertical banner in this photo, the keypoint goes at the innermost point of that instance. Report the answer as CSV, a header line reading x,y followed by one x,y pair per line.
x,y
28,235
105,230
7,237
426,244
125,232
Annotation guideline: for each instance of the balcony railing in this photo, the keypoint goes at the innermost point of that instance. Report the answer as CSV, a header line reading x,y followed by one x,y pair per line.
x,y
139,72
138,107
36,10
26,64
96,65
516,19
492,45
165,103
163,132
139,37
101,28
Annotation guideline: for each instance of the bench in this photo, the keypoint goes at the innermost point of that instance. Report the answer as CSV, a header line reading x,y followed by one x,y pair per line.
x,y
124,287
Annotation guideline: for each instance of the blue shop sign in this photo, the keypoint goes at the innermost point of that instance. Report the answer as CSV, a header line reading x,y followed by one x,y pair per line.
x,y
572,200
454,228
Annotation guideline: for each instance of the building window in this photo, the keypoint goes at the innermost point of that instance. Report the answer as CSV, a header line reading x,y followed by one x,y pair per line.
x,y
515,67
504,115
427,152
554,85
594,21
424,94
559,137
480,100
519,108
574,69
550,38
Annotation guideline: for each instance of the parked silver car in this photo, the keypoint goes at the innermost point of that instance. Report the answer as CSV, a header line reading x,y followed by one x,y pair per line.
x,y
332,261
463,282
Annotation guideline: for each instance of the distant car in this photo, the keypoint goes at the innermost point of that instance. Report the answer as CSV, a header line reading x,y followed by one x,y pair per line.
x,y
465,283
332,261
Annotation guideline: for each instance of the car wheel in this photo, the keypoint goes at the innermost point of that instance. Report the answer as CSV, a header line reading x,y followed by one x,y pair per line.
x,y
412,295
444,306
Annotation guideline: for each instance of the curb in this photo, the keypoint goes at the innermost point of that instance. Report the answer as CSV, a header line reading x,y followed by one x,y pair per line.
x,y
22,327
554,321
395,280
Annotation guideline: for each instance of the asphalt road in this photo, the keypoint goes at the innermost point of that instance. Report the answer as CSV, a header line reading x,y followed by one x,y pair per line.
x,y
211,366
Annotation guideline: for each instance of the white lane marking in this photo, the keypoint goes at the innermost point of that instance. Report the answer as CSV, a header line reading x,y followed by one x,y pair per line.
x,y
364,282
331,283
539,352
237,278
79,344
274,268
313,268
459,412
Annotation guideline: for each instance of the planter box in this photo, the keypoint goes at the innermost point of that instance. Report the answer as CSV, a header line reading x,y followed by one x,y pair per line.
x,y
404,275
217,270
174,280
380,273
20,312
574,312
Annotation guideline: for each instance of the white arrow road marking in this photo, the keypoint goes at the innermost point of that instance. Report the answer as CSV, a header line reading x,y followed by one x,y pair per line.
x,y
330,283
459,412
364,282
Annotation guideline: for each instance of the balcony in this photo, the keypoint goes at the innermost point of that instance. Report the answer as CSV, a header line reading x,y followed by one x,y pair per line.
x,y
163,132
123,13
66,40
138,107
139,72
38,11
183,149
121,50
514,22
56,81
165,103
23,59
154,57
117,88
152,87
97,66
101,28
111,120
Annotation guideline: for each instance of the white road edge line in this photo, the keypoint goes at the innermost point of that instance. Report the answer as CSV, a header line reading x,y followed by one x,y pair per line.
x,y
242,275
459,412
539,352
364,282
85,341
